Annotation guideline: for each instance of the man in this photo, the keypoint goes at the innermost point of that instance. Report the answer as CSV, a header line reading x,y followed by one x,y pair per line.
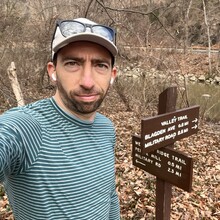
x,y
57,154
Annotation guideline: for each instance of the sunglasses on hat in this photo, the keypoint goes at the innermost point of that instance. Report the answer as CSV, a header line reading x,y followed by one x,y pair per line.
x,y
70,27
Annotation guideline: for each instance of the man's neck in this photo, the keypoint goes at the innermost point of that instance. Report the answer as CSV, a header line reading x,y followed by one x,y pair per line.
x,y
84,117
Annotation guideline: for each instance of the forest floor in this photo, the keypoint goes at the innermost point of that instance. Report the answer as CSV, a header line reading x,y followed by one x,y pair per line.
x,y
137,188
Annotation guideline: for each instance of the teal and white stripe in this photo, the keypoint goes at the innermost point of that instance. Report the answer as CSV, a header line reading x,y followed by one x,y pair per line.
x,y
55,166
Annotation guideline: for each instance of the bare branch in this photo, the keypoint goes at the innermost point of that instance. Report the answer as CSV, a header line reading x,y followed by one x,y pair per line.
x,y
87,10
136,12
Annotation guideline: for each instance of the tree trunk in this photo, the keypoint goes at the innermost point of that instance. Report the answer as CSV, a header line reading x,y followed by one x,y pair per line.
x,y
208,35
15,84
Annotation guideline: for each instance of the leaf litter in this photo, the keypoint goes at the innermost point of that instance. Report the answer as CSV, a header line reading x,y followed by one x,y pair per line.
x,y
136,188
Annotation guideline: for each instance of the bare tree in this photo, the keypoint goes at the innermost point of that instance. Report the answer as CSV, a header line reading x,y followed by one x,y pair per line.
x,y
208,34
186,42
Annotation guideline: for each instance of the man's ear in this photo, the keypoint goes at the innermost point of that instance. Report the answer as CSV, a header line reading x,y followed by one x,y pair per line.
x,y
53,76
51,71
112,81
114,74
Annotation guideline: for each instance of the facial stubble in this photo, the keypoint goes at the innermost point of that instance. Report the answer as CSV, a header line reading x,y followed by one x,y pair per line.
x,y
73,105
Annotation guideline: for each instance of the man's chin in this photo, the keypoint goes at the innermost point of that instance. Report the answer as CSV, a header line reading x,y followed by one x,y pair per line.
x,y
87,108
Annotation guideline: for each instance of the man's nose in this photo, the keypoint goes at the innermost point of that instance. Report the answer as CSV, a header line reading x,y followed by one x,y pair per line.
x,y
87,80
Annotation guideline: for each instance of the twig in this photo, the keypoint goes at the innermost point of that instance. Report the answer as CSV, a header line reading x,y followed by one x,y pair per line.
x,y
136,12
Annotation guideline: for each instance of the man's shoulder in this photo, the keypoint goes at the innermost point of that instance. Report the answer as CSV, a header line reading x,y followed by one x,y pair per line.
x,y
39,105
100,118
25,114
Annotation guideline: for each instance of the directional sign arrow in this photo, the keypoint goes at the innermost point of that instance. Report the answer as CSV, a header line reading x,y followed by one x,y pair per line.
x,y
195,120
137,161
194,127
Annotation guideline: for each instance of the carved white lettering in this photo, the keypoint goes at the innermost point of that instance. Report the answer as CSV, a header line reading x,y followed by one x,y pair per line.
x,y
172,128
169,136
138,143
157,164
178,167
156,157
170,163
170,170
156,141
183,124
183,117
162,153
182,131
168,122
177,159
148,160
177,173
138,149
155,134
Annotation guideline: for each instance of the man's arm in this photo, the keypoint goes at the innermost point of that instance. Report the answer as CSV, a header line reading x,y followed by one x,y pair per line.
x,y
11,153
114,209
20,138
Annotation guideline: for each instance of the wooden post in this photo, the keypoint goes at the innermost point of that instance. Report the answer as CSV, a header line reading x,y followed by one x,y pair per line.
x,y
153,151
167,103
15,84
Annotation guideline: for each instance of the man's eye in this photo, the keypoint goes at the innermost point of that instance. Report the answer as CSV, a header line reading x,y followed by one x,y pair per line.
x,y
103,66
71,63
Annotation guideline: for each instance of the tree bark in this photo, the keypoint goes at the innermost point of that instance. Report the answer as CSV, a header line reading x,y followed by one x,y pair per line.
x,y
208,35
15,84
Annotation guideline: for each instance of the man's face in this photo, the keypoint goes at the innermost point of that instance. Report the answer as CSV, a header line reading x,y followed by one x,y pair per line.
x,y
83,73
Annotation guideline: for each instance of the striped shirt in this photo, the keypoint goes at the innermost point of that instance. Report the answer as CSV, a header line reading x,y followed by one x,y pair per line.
x,y
55,166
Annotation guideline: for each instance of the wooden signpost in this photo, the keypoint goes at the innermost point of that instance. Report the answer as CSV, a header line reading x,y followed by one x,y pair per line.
x,y
153,150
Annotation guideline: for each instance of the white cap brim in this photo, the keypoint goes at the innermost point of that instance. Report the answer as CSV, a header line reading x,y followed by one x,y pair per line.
x,y
87,36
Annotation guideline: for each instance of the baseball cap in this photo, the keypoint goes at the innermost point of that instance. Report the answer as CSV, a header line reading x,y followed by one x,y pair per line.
x,y
83,29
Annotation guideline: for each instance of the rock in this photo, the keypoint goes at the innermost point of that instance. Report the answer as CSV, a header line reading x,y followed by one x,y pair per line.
x,y
128,68
135,76
177,72
217,79
189,75
193,78
206,96
181,78
209,80
201,78
129,74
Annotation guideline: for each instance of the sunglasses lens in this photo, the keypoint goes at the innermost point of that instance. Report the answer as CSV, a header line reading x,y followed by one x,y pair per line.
x,y
104,32
71,28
